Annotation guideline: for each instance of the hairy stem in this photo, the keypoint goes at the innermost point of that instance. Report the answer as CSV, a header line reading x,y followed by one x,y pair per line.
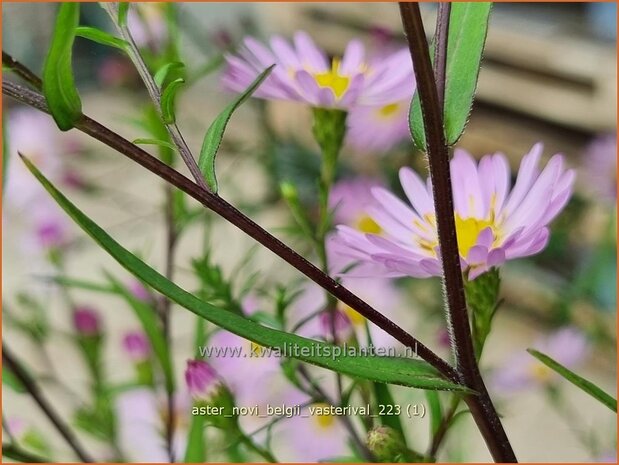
x,y
480,405
33,389
242,222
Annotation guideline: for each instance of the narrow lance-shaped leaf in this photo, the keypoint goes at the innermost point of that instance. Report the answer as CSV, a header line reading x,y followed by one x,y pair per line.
x,y
160,143
167,100
101,37
394,370
59,88
587,386
163,72
215,133
468,27
123,11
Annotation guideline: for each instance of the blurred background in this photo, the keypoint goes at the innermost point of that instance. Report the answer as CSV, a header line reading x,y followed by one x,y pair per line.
x,y
549,74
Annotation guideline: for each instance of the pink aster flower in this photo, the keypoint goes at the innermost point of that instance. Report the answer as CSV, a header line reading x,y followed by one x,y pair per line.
x,y
304,73
378,128
494,223
568,346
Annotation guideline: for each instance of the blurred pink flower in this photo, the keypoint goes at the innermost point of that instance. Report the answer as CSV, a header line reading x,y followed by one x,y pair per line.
x,y
339,322
241,363
136,346
600,168
34,135
314,437
48,227
139,291
350,199
568,346
147,24
86,321
141,417
493,223
378,292
304,73
378,128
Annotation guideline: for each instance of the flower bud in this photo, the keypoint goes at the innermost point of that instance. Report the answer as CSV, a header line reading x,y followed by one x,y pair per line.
x,y
136,346
202,380
212,399
336,322
386,444
86,321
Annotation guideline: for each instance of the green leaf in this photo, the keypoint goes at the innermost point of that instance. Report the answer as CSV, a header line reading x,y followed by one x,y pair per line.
x,y
160,143
81,284
587,386
195,451
163,72
393,370
100,37
9,379
150,324
167,100
468,26
215,132
123,10
436,411
59,88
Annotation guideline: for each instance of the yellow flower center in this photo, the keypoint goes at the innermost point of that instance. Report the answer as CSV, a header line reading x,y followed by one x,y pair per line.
x,y
541,372
389,110
333,80
323,419
355,317
366,224
467,231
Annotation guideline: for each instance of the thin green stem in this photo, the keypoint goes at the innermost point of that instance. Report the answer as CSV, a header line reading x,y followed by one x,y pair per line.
x,y
154,92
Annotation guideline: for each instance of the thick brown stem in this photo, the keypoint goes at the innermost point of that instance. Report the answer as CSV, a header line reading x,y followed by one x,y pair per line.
x,y
480,405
